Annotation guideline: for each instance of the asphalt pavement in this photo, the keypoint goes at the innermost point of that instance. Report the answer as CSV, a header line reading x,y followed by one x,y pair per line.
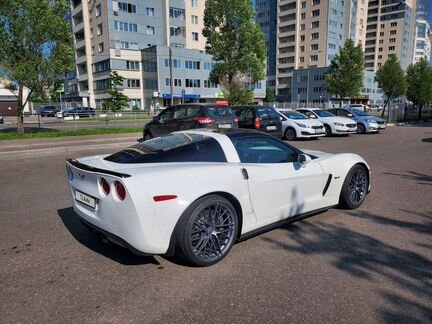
x,y
371,265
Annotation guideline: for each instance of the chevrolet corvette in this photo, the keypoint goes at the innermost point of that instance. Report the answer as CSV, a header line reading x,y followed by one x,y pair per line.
x,y
195,193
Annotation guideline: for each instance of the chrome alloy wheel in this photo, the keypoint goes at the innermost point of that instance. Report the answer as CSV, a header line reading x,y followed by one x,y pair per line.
x,y
212,232
357,186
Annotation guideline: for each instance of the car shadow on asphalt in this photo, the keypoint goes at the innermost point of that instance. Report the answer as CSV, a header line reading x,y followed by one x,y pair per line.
x,y
423,179
109,250
367,258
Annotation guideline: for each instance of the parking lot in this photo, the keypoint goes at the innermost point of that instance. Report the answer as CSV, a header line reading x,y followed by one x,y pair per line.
x,y
373,264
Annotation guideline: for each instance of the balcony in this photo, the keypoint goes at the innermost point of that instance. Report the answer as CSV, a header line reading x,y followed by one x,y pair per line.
x,y
80,43
77,10
81,59
79,27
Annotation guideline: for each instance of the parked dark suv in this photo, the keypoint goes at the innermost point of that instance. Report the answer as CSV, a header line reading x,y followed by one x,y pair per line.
x,y
189,116
261,118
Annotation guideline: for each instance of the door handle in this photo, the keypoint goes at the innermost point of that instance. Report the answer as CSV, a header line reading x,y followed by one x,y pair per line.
x,y
245,174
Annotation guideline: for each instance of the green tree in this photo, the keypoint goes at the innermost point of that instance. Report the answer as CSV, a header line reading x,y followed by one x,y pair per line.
x,y
391,80
237,46
345,76
270,95
117,99
35,46
419,80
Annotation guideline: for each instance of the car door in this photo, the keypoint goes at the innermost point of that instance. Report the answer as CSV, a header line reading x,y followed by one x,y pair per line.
x,y
279,186
164,123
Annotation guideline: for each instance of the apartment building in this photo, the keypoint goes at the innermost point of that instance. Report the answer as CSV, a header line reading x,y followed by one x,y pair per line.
x,y
309,33
390,31
423,32
109,36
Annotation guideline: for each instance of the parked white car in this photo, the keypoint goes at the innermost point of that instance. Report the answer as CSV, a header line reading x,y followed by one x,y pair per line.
x,y
296,125
333,125
196,192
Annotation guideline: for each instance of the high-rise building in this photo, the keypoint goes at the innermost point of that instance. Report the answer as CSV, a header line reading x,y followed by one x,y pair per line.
x,y
423,32
307,34
390,31
109,36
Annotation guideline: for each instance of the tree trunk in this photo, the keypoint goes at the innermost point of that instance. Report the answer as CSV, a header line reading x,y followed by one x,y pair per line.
x,y
384,107
420,112
20,111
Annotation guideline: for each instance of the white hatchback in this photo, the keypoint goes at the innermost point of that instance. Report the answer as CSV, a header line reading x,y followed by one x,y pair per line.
x,y
333,124
296,125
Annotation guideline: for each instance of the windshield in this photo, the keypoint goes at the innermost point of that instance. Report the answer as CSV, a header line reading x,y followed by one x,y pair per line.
x,y
294,115
219,112
357,112
323,113
175,147
267,112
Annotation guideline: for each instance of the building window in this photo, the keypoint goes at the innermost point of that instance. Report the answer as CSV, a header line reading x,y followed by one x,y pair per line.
x,y
315,36
381,34
100,47
302,27
391,48
315,24
91,33
127,7
194,3
209,66
379,57
177,83
99,29
316,13
209,84
176,31
314,58
393,24
150,30
303,15
194,36
194,20
192,65
332,46
381,41
302,38
382,25
301,59
193,83
98,10
150,11
132,65
393,32
380,49
314,47
177,13
133,83
101,66
92,50
303,4
302,48
392,40
315,2
124,26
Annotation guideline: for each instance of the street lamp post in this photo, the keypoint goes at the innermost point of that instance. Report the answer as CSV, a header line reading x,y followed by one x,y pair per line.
x,y
171,75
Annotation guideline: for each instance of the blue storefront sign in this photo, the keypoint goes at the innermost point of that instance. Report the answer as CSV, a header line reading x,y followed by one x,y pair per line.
x,y
185,96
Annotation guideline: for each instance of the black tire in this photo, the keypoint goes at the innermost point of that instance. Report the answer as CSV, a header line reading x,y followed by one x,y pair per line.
x,y
147,135
361,129
197,240
290,134
355,187
328,131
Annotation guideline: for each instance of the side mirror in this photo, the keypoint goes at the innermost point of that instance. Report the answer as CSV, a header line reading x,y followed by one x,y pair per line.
x,y
350,115
312,116
303,159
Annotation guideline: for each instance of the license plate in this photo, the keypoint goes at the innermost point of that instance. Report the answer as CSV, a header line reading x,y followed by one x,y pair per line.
x,y
271,127
85,199
224,125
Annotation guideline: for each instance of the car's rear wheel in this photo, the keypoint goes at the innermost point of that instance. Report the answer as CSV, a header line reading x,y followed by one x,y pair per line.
x,y
355,187
206,231
361,129
328,131
147,135
290,134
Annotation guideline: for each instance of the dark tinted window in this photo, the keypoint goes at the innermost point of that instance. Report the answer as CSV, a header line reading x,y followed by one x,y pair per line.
x,y
167,114
294,115
176,147
263,150
266,112
357,112
218,112
323,113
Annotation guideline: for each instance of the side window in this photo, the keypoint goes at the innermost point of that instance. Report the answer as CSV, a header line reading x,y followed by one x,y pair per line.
x,y
166,115
193,111
246,114
307,113
264,150
342,112
180,112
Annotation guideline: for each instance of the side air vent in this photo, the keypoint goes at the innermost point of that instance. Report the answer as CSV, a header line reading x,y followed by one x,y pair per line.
x,y
327,185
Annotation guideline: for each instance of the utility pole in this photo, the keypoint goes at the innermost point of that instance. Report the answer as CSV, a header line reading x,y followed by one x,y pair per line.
x,y
171,75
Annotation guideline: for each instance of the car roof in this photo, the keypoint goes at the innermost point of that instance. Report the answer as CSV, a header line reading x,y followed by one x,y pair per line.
x,y
309,108
251,106
203,104
230,132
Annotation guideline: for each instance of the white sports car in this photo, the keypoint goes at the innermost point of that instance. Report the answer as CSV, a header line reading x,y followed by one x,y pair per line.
x,y
195,193
333,124
296,125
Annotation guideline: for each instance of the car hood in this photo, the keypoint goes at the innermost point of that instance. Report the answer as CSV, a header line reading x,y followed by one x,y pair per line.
x,y
308,122
377,119
318,154
342,120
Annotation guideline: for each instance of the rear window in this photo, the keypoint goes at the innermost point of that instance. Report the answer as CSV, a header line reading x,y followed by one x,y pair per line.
x,y
176,147
294,115
266,112
219,112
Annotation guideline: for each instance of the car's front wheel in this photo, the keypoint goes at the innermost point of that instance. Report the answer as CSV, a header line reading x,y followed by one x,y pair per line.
x,y
355,187
206,231
328,131
361,129
290,134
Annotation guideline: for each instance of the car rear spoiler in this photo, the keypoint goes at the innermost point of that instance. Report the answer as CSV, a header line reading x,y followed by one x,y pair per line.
x,y
86,167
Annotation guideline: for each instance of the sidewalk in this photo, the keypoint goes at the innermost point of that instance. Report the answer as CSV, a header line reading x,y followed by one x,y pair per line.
x,y
10,149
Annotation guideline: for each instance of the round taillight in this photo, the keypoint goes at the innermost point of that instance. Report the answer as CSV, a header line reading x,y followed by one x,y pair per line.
x,y
105,186
121,190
